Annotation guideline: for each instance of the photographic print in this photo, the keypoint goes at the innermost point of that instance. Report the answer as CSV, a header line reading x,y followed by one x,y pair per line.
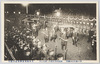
x,y
66,32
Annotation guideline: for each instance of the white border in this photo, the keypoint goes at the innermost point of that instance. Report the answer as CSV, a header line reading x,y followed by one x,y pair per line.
x,y
13,2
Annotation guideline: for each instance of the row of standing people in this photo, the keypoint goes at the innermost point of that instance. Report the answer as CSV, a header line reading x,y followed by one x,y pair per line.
x,y
26,47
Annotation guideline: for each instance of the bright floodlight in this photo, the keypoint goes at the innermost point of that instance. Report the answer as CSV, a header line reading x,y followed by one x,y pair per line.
x,y
14,12
88,23
83,22
38,13
19,12
58,13
25,4
91,23
7,12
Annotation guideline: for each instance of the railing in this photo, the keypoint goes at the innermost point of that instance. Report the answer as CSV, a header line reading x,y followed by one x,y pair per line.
x,y
9,51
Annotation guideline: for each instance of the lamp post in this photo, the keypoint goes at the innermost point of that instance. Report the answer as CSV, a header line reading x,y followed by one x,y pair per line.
x,y
26,5
38,13
58,14
14,12
26,9
19,12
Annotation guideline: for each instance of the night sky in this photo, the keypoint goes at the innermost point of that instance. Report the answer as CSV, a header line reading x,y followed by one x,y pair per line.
x,y
81,9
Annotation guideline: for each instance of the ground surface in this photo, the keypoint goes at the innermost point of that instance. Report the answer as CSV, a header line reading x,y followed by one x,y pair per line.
x,y
83,51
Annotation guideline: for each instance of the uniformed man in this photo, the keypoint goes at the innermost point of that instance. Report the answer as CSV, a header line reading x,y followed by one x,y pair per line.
x,y
75,38
46,35
34,30
53,35
63,40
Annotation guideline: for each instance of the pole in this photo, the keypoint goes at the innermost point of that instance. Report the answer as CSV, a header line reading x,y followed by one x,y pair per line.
x,y
27,9
10,52
55,52
66,52
79,53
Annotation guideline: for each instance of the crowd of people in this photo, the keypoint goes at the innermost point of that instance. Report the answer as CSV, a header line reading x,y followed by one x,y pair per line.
x,y
24,44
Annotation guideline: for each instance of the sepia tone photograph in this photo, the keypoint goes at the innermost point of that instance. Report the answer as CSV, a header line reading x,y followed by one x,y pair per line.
x,y
50,31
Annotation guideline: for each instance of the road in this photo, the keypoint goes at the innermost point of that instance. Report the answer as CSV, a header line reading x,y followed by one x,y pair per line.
x,y
83,51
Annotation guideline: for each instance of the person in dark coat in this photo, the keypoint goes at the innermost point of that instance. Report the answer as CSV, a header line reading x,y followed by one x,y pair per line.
x,y
91,32
94,42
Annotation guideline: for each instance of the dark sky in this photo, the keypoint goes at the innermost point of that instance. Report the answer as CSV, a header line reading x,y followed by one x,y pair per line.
x,y
83,9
